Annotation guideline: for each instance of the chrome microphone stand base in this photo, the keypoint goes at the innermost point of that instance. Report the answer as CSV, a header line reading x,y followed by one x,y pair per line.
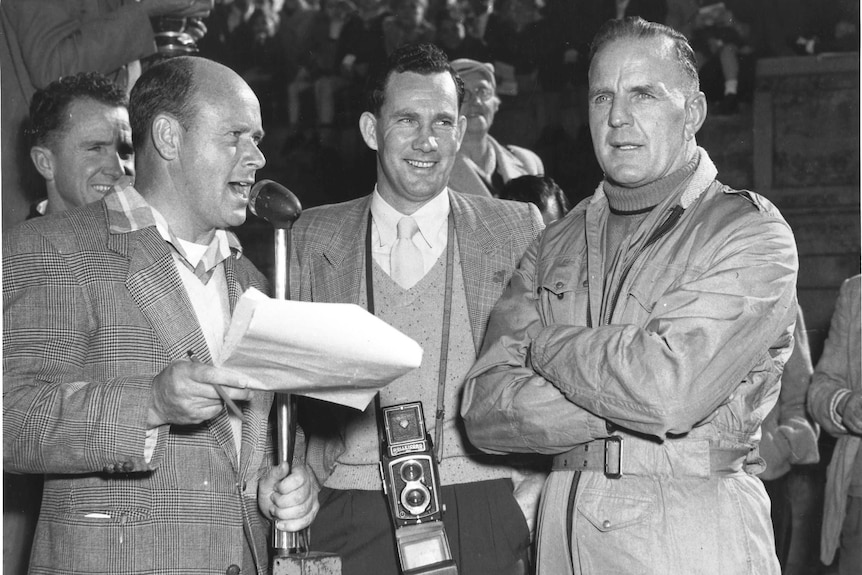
x,y
308,563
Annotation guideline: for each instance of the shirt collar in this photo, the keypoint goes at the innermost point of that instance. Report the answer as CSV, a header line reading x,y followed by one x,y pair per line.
x,y
128,211
430,218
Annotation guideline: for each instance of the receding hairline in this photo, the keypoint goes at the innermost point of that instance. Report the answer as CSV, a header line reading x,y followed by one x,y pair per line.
x,y
669,53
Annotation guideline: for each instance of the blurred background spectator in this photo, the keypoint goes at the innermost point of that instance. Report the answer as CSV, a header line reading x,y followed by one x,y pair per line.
x,y
407,25
483,165
319,78
789,440
452,37
720,38
835,401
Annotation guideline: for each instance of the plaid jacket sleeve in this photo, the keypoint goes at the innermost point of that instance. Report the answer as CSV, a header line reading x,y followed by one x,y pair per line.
x,y
56,418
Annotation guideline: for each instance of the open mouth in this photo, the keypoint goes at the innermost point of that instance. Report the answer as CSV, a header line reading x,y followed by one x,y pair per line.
x,y
421,165
102,188
242,189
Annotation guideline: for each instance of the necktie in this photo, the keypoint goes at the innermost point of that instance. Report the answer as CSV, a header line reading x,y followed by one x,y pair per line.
x,y
405,260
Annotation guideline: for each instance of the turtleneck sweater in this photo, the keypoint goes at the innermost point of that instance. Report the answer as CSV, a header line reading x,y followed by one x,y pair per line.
x,y
630,206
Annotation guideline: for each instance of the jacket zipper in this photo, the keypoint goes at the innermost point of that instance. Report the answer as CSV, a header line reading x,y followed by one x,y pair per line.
x,y
664,228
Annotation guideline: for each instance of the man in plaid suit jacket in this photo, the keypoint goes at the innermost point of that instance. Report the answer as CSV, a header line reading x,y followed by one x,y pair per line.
x,y
343,253
145,471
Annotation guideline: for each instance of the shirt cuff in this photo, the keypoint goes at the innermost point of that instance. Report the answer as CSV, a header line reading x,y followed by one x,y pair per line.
x,y
150,442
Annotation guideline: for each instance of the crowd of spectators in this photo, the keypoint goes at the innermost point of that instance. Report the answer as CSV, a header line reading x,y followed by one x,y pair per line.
x,y
539,41
308,59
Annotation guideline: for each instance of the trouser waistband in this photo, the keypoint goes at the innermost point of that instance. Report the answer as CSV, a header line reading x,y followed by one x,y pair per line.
x,y
618,455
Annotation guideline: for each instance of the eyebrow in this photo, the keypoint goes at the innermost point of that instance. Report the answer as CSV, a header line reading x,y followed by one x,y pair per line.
x,y
651,88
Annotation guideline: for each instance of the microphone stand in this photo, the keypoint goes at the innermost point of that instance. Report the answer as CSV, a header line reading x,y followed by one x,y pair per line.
x,y
285,542
279,206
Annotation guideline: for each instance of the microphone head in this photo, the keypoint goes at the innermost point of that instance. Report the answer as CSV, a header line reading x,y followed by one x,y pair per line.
x,y
274,203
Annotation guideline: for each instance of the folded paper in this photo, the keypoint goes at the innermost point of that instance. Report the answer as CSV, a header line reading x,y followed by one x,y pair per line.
x,y
331,351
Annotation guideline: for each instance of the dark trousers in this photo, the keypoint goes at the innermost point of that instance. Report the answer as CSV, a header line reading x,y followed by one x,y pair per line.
x,y
486,530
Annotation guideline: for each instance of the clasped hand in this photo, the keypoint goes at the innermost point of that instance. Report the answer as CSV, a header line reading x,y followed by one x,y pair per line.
x,y
289,497
183,393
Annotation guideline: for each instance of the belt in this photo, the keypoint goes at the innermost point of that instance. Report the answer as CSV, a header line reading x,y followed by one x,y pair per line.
x,y
607,456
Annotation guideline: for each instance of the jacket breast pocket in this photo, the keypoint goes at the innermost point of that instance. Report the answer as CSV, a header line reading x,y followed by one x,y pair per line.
x,y
563,295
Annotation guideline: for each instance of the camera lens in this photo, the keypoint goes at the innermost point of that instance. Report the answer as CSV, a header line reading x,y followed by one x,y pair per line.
x,y
415,498
411,471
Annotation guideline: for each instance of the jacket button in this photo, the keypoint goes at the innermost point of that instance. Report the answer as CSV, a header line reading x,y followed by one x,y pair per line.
x,y
559,285
232,570
128,466
606,524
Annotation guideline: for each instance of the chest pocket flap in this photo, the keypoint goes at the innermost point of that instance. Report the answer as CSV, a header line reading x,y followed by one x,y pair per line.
x,y
610,511
561,293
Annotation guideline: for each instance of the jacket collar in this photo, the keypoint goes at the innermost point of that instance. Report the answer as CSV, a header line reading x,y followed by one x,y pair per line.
x,y
703,176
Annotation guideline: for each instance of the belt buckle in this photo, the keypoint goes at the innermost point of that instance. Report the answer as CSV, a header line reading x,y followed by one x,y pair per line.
x,y
613,457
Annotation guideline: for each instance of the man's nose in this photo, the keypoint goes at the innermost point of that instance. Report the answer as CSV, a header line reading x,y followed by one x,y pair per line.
x,y
254,157
118,164
426,140
620,114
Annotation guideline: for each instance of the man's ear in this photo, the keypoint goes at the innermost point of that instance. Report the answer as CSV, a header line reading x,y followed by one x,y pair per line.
x,y
368,129
167,136
462,128
695,114
43,159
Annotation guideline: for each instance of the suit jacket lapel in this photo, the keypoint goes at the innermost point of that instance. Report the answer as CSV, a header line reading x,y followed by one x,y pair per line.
x,y
484,260
155,285
340,277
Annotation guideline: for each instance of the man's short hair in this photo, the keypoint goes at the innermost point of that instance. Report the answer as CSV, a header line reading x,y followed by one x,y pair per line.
x,y
49,106
422,59
638,28
167,87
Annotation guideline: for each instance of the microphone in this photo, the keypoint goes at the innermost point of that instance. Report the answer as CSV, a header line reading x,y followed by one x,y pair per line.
x,y
274,203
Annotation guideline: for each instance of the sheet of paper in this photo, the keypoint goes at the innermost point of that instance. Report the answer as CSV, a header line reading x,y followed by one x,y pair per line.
x,y
330,351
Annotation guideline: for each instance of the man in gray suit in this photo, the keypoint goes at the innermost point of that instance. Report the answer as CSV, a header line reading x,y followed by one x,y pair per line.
x,y
464,250
145,470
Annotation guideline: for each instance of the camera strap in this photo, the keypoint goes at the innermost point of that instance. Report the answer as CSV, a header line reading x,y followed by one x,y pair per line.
x,y
444,343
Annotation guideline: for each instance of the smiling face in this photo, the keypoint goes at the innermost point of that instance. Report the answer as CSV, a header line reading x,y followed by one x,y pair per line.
x,y
416,135
480,104
92,153
218,156
643,113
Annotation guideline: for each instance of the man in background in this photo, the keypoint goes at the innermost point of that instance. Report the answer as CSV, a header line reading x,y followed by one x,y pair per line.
x,y
453,247
835,401
81,140
43,40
